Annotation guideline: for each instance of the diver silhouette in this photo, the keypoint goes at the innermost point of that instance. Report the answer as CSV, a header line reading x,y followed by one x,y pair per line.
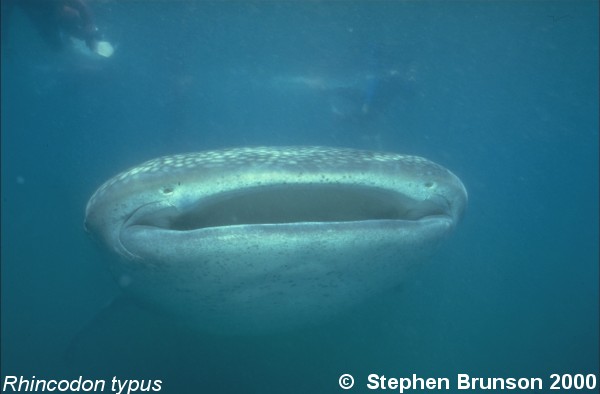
x,y
368,97
58,20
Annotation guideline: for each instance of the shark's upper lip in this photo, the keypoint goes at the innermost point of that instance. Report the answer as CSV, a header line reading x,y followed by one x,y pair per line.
x,y
289,204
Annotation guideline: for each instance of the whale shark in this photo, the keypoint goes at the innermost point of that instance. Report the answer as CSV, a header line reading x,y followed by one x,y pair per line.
x,y
256,239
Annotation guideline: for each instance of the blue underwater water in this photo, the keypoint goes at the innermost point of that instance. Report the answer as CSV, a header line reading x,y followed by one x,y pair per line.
x,y
503,93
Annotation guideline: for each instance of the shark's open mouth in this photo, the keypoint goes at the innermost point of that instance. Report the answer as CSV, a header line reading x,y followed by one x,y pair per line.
x,y
287,204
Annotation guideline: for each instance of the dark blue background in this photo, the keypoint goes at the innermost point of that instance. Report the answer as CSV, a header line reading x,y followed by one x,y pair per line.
x,y
505,95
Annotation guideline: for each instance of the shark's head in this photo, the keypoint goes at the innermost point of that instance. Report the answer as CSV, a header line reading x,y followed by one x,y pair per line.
x,y
267,237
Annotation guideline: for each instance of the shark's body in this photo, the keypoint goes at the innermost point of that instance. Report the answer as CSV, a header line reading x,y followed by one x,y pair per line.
x,y
256,239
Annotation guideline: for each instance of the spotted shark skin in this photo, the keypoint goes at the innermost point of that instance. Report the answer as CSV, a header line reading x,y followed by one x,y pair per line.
x,y
186,233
